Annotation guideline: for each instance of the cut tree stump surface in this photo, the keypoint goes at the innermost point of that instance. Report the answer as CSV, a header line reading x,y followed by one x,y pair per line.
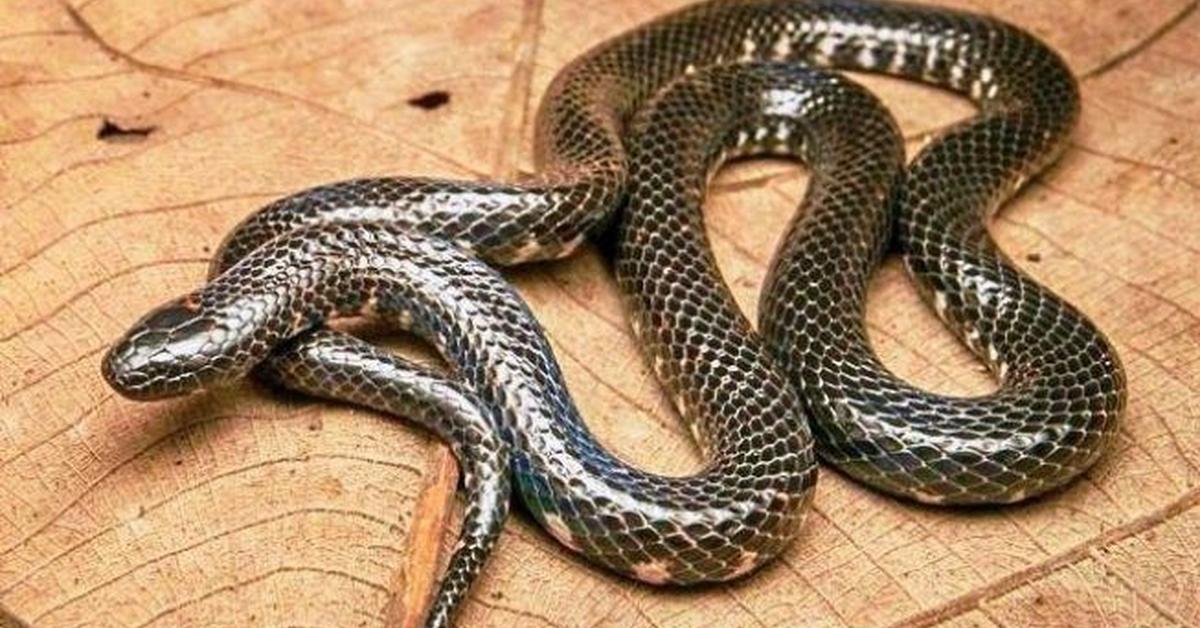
x,y
134,135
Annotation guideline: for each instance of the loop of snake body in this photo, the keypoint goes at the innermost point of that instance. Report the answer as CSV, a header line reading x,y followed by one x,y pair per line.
x,y
380,245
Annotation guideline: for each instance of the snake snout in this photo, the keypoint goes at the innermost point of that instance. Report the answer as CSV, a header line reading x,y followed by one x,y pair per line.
x,y
165,354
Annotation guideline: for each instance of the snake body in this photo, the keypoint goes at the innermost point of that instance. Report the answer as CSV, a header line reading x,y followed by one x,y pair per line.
x,y
1062,387
325,363
394,247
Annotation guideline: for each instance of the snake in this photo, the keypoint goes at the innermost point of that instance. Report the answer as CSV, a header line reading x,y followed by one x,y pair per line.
x,y
628,134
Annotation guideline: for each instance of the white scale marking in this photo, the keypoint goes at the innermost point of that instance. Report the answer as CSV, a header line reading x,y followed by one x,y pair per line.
x,y
825,49
1018,496
569,246
559,530
782,47
939,303
976,90
748,49
693,427
928,498
748,562
898,60
866,57
653,572
526,251
405,319
681,404
659,366
956,75
931,56
466,245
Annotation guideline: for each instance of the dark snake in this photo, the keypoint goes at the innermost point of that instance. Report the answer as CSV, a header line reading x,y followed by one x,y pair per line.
x,y
395,247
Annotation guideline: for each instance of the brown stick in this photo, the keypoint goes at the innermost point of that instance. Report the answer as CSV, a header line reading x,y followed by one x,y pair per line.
x,y
8,619
413,584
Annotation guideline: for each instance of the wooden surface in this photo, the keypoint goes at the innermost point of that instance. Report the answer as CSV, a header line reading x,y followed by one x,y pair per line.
x,y
133,135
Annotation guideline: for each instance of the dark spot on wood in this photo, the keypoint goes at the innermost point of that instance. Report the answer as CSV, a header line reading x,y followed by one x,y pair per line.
x,y
1172,140
206,249
431,100
112,132
315,424
1034,257
145,93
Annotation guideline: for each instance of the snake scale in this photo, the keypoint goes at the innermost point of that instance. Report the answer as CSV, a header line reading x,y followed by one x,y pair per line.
x,y
638,124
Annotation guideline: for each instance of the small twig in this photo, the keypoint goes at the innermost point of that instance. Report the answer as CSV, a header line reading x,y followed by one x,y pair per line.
x,y
413,585
9,619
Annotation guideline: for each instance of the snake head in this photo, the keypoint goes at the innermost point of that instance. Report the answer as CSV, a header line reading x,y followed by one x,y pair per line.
x,y
169,352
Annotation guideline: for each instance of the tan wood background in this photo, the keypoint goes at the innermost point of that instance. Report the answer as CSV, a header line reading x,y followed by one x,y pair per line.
x,y
243,508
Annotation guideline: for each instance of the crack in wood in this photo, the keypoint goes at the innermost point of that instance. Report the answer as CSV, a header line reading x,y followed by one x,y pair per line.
x,y
972,600
1141,45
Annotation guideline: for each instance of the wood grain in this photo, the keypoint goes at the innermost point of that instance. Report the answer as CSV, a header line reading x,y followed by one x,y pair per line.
x,y
245,508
